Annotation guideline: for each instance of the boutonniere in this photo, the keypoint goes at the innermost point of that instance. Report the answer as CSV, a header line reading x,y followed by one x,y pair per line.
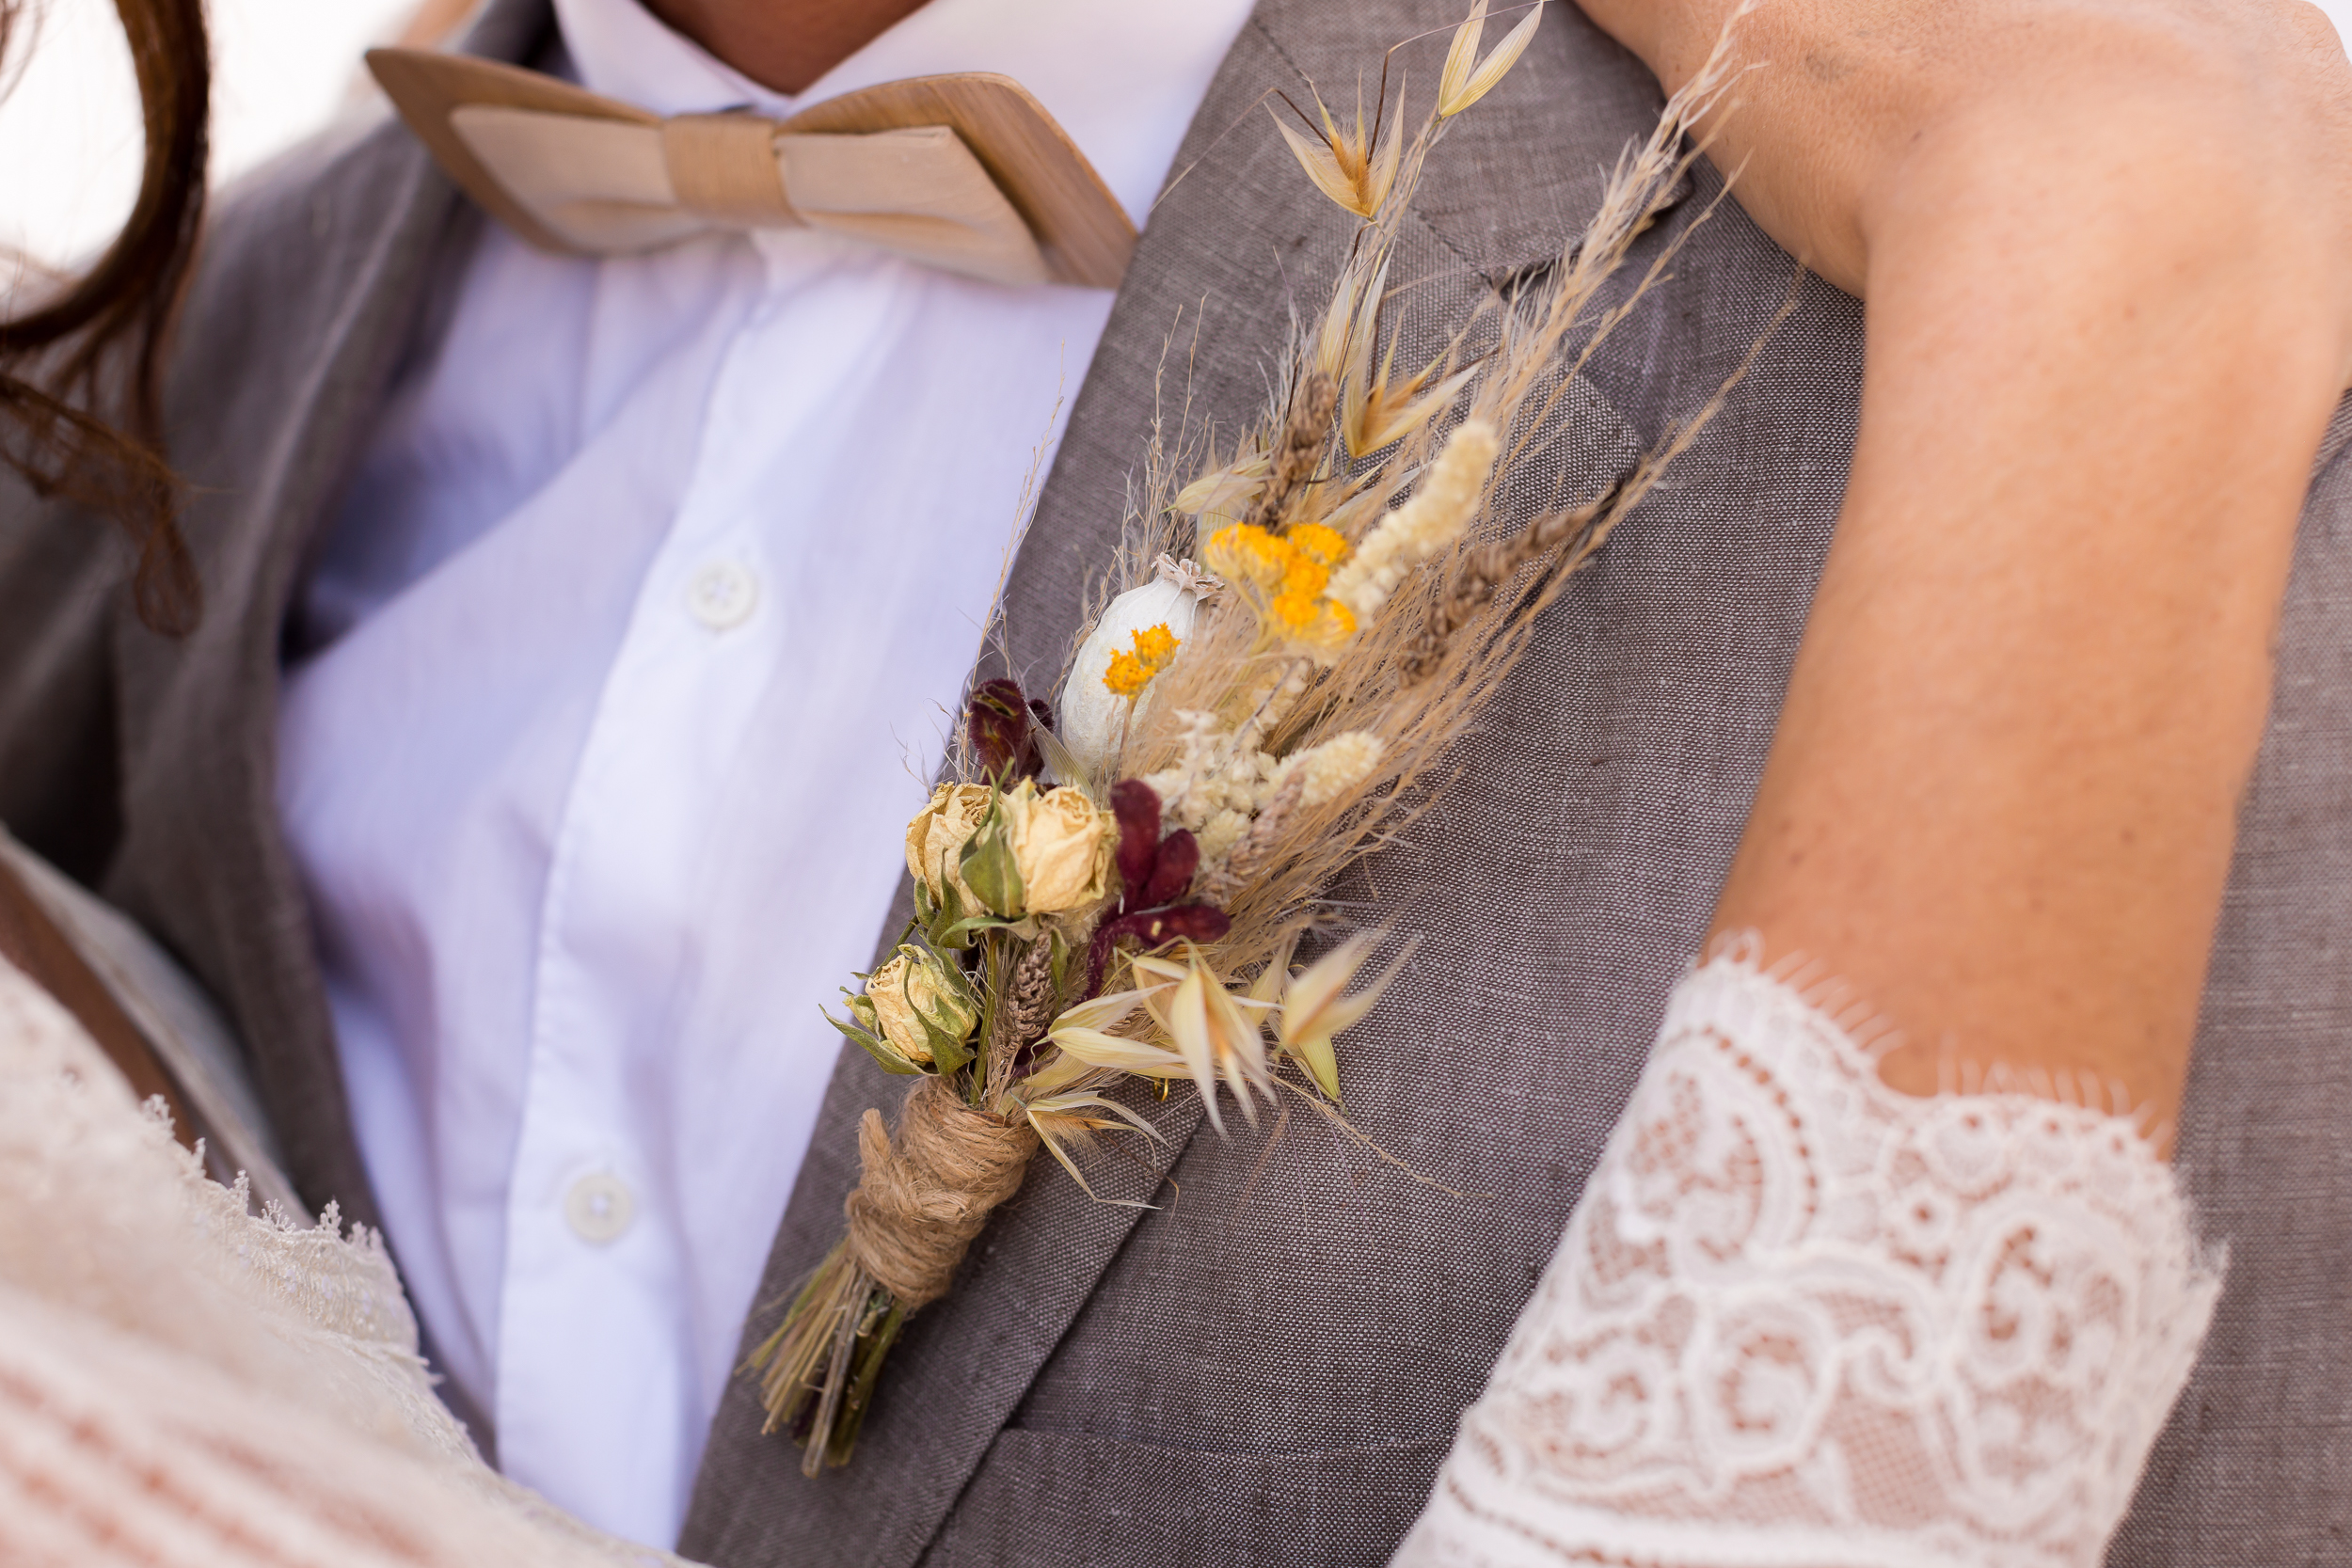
x,y
1115,884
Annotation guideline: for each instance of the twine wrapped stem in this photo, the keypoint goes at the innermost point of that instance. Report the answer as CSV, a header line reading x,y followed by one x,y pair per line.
x,y
920,1200
925,1195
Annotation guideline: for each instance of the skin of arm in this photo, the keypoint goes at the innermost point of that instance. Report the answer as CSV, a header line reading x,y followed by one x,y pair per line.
x,y
2103,248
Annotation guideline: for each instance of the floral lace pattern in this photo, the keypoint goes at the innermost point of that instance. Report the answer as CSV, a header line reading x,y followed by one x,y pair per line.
x,y
182,1383
1800,1317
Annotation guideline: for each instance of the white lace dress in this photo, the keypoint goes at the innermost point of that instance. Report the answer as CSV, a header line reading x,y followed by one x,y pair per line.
x,y
1800,1319
184,1384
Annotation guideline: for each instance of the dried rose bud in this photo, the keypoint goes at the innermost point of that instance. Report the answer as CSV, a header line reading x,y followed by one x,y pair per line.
x,y
1064,845
924,1009
997,725
936,837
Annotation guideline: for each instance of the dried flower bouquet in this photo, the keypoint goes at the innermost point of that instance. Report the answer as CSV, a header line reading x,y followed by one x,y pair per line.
x,y
1115,885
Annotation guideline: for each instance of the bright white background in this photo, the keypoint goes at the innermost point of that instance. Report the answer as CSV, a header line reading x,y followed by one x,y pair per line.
x,y
69,123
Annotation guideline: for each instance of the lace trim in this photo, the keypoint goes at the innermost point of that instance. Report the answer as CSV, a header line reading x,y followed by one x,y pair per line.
x,y
338,1286
183,1383
114,1219
1800,1317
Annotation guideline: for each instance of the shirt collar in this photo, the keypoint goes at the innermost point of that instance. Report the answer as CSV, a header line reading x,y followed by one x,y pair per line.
x,y
1123,77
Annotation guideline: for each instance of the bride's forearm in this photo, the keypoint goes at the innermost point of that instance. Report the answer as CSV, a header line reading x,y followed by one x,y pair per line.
x,y
2001,798
2107,322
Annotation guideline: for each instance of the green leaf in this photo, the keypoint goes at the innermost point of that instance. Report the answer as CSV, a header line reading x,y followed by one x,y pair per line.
x,y
875,1046
988,864
961,934
955,1009
945,923
947,1051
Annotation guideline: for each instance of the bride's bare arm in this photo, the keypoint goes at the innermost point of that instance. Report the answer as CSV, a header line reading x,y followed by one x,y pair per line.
x,y
2108,267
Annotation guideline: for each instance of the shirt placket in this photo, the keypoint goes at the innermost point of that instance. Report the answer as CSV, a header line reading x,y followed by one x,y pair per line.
x,y
595,1255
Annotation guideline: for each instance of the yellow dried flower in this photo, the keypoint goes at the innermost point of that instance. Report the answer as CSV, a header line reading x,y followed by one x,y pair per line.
x,y
1154,651
1304,577
1295,610
1294,570
1154,646
922,1008
1319,543
1127,676
1245,553
936,837
1065,845
1332,624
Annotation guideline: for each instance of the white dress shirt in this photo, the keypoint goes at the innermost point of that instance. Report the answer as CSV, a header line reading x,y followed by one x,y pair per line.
x,y
631,653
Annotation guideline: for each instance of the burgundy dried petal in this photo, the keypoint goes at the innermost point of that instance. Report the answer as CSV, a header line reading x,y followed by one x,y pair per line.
x,y
1152,928
1172,873
1099,950
1136,805
1032,758
999,725
1201,921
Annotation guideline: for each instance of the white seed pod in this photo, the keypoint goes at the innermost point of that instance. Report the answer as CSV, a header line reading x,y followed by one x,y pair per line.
x,y
1091,721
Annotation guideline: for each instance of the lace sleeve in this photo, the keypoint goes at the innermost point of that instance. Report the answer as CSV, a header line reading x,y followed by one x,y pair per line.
x,y
1802,1318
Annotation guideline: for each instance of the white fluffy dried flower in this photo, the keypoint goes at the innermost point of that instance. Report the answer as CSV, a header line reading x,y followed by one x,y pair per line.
x,y
1433,519
1331,769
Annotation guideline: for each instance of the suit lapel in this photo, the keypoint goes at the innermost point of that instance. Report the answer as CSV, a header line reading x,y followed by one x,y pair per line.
x,y
313,280
1198,316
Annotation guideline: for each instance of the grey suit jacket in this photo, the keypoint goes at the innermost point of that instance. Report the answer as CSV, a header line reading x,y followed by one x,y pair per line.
x,y
1266,1366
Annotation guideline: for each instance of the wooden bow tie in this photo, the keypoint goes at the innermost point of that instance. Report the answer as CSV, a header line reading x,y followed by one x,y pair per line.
x,y
967,173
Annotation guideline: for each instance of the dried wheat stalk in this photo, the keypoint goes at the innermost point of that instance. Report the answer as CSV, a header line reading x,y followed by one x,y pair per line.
x,y
1298,448
1576,534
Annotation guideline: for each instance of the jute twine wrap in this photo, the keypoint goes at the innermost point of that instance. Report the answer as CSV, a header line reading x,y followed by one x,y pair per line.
x,y
922,1198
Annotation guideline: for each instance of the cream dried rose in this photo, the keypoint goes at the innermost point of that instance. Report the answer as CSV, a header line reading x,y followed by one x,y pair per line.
x,y
1065,845
935,839
919,1008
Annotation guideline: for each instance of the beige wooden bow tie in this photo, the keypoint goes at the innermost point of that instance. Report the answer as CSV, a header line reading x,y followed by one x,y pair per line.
x,y
967,173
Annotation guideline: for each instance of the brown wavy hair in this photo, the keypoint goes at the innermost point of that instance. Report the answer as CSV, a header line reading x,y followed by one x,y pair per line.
x,y
81,371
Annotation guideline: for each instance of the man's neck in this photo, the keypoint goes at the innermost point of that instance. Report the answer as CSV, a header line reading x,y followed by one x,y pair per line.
x,y
782,44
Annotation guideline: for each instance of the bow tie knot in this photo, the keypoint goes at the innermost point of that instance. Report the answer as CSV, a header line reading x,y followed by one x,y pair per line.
x,y
965,173
728,168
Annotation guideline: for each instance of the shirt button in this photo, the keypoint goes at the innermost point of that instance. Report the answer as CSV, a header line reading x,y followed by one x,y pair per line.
x,y
599,1208
723,594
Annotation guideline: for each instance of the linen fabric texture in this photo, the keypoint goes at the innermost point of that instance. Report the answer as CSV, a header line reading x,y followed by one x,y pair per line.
x,y
1267,1367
